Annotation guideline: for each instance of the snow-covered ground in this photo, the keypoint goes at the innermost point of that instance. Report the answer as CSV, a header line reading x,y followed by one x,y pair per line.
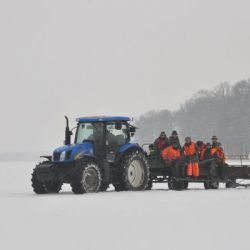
x,y
157,219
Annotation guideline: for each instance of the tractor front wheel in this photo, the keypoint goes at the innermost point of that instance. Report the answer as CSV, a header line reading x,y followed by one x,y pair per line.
x,y
87,178
53,186
37,185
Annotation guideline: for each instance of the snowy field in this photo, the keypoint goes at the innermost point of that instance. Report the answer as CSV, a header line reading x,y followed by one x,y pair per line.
x,y
155,220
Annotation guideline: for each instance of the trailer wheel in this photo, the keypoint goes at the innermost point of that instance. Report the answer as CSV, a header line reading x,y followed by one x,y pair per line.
x,y
170,184
207,185
231,183
215,185
38,186
87,178
211,185
186,184
174,184
134,172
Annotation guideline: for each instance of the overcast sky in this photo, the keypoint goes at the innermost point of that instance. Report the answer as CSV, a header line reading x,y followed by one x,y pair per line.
x,y
121,57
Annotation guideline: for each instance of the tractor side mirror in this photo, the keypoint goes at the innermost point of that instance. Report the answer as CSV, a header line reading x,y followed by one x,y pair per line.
x,y
132,129
118,126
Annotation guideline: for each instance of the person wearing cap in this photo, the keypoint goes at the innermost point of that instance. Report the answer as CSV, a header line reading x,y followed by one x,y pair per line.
x,y
174,139
171,156
161,142
217,150
191,152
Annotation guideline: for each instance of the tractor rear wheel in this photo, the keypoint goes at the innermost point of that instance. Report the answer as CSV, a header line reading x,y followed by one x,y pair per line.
x,y
37,185
87,178
134,172
150,185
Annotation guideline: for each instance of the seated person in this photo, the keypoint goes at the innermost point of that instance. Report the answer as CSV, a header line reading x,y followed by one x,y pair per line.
x,y
217,151
172,157
206,153
161,142
174,139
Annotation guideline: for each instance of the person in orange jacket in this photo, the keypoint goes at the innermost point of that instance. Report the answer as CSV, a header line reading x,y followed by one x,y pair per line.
x,y
217,150
191,152
172,157
218,153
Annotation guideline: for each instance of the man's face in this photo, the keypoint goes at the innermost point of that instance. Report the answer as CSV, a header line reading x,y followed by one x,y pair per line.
x,y
163,136
214,141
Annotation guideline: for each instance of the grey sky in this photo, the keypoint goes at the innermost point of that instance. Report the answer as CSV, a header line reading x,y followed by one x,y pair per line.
x,y
107,57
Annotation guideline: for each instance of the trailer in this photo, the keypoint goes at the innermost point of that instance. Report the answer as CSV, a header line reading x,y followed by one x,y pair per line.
x,y
211,174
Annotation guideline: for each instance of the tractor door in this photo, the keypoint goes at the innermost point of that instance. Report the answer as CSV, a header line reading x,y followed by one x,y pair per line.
x,y
116,136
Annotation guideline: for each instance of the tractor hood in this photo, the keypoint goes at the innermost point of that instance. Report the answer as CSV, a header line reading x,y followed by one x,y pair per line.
x,y
73,152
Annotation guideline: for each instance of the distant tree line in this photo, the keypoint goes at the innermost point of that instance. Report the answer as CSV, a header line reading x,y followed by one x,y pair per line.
x,y
223,111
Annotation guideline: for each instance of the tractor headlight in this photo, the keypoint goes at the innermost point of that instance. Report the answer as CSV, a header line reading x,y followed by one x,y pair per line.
x,y
63,156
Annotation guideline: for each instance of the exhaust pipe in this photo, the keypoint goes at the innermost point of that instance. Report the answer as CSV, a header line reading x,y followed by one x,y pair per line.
x,y
68,133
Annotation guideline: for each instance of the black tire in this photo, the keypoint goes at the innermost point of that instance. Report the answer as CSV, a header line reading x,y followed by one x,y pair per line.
x,y
150,185
170,183
207,185
38,186
53,187
214,185
211,185
231,184
87,178
186,184
134,172
174,184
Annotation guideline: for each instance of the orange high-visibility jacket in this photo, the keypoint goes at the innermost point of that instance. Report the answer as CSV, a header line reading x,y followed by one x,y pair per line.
x,y
218,151
171,154
190,150
202,156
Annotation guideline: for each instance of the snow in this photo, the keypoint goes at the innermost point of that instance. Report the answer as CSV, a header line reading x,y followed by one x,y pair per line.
x,y
157,219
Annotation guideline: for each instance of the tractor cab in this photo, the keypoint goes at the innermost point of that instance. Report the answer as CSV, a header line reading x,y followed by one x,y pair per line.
x,y
106,135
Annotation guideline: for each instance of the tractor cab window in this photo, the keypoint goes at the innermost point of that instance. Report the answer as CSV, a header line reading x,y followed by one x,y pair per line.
x,y
89,132
85,132
117,135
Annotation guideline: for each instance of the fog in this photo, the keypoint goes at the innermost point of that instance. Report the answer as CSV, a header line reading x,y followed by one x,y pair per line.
x,y
110,58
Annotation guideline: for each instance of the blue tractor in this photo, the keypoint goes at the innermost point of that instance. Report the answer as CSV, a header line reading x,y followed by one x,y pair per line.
x,y
101,154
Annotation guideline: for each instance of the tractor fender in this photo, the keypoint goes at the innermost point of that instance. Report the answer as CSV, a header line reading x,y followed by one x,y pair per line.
x,y
126,149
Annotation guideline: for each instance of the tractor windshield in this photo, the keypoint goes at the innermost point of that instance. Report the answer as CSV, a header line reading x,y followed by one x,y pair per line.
x,y
89,131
